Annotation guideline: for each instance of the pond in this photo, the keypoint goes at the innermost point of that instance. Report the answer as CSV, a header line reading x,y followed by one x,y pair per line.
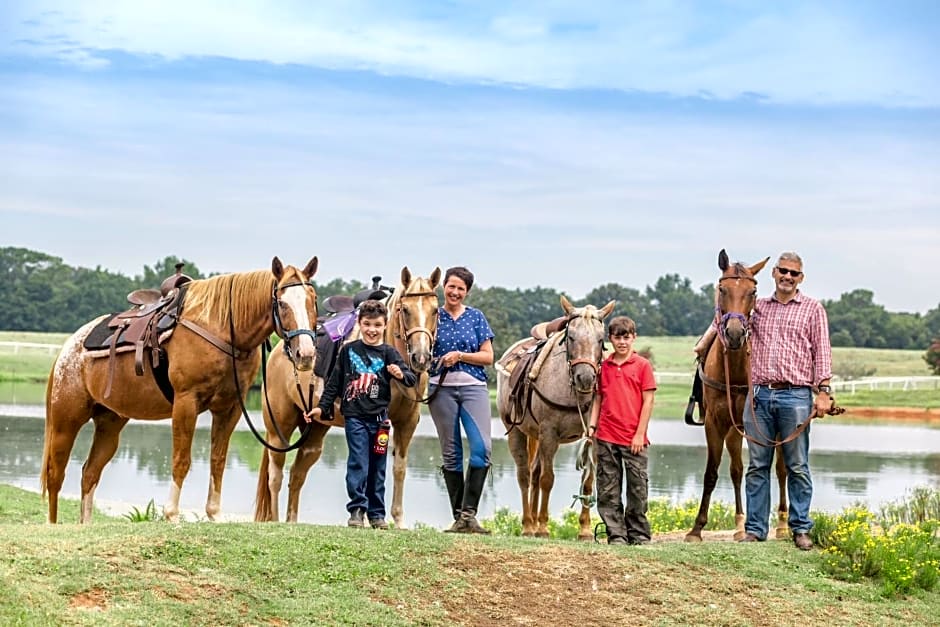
x,y
871,462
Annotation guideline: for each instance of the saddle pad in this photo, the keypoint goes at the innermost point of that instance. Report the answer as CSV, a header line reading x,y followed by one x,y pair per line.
x,y
98,338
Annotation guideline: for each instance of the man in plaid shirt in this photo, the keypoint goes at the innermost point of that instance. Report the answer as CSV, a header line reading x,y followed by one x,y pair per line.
x,y
791,359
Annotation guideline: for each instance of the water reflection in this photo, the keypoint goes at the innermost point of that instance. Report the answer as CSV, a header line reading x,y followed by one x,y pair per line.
x,y
843,475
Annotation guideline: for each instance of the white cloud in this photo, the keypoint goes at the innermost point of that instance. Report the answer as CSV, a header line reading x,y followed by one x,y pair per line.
x,y
799,53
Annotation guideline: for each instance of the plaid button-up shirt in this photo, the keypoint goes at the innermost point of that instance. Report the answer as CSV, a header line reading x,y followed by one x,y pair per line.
x,y
790,342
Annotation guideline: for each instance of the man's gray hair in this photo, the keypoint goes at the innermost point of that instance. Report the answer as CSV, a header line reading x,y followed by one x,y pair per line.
x,y
790,256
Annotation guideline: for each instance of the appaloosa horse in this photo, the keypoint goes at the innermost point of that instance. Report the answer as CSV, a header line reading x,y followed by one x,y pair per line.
x,y
412,328
213,356
554,410
725,377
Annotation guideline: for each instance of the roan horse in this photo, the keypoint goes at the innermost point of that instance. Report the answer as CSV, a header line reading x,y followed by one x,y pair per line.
x,y
213,356
412,329
725,375
554,413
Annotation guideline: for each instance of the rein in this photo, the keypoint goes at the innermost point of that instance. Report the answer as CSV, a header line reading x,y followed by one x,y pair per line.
x,y
286,337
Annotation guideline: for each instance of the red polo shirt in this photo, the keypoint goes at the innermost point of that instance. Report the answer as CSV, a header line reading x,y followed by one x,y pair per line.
x,y
621,387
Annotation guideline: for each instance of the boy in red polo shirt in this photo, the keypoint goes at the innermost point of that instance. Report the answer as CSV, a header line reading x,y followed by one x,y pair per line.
x,y
619,417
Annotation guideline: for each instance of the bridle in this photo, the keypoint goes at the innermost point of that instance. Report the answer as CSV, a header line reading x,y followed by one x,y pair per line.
x,y
286,336
594,364
721,319
279,329
405,334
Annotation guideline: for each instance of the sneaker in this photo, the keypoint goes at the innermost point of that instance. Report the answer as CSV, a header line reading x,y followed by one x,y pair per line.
x,y
378,523
355,517
616,540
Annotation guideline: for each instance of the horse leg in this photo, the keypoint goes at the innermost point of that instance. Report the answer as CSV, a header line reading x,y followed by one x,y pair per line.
x,y
307,456
223,424
184,425
733,442
547,449
518,450
63,422
783,526
535,475
402,433
715,442
108,426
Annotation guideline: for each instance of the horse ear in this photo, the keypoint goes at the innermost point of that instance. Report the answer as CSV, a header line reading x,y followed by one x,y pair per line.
x,y
405,276
606,309
277,268
566,305
757,267
723,260
435,277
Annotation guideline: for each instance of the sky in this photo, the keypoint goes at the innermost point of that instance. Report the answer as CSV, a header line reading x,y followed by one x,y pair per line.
x,y
545,143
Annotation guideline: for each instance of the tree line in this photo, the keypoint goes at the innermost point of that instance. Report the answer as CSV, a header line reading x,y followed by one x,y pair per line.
x,y
41,293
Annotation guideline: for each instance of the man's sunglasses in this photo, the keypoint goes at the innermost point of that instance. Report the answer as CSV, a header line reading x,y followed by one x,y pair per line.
x,y
786,271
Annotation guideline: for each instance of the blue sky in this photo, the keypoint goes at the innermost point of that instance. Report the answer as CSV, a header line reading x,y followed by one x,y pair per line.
x,y
561,144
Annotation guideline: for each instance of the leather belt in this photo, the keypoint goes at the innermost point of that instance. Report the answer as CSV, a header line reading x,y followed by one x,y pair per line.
x,y
783,385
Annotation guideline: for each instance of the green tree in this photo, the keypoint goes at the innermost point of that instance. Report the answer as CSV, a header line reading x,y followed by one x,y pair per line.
x,y
684,311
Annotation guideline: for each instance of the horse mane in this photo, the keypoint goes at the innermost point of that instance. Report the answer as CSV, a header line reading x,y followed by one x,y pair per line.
x,y
207,300
738,270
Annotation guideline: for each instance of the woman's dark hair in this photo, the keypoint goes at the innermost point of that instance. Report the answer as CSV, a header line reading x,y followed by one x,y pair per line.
x,y
372,309
461,273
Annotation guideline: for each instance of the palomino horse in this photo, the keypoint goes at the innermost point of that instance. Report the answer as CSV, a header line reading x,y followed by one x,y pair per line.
x,y
725,377
556,412
213,358
412,328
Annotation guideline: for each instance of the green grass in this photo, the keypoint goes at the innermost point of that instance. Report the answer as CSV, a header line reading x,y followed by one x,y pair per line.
x,y
118,573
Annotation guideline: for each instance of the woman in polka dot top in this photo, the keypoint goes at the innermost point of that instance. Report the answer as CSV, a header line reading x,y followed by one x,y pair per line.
x,y
460,397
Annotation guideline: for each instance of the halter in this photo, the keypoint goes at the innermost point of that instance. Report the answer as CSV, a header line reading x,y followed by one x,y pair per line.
x,y
721,319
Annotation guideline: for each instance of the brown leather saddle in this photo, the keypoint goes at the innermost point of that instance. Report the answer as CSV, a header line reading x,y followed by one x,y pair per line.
x,y
518,364
152,317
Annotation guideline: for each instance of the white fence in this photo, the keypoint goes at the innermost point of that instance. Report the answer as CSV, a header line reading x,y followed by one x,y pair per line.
x,y
20,347
839,385
887,383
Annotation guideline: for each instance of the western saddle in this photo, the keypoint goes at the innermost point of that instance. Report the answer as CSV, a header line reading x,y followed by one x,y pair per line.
x,y
153,314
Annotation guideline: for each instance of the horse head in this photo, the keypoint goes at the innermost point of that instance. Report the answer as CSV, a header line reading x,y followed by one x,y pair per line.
x,y
735,296
294,309
584,343
413,310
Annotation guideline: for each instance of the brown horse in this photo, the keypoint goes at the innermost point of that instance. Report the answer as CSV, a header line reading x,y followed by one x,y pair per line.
x,y
412,328
555,413
725,375
213,355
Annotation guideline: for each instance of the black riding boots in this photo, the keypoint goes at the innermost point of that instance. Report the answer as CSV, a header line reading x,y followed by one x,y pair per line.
x,y
465,498
453,479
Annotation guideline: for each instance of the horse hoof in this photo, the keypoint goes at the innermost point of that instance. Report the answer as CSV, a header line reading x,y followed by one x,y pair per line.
x,y
739,535
541,534
691,537
783,534
528,534
585,537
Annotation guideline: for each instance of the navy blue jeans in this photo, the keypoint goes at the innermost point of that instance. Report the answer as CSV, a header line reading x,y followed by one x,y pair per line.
x,y
777,414
365,471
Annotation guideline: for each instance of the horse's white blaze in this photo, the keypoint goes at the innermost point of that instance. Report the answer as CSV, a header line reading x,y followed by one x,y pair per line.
x,y
296,299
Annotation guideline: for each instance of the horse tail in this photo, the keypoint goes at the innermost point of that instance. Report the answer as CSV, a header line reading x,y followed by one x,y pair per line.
x,y
263,495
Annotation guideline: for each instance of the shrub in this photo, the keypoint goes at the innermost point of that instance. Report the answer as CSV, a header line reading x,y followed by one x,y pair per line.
x,y
148,515
932,356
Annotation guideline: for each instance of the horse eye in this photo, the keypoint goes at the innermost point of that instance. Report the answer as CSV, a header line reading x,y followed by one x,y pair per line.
x,y
723,291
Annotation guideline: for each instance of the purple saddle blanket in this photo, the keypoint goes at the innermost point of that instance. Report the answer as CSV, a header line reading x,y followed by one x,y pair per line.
x,y
340,325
